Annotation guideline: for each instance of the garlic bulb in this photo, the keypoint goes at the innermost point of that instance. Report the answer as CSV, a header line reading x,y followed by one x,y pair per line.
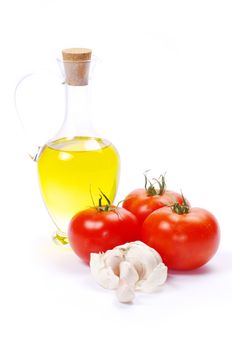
x,y
129,267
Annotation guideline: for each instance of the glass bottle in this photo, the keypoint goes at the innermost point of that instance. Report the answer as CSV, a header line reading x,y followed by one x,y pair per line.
x,y
76,163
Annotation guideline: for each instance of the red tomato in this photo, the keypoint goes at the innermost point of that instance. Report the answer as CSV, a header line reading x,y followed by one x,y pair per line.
x,y
94,230
186,240
142,202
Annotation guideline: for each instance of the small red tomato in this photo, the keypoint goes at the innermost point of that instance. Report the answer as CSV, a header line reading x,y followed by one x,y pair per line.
x,y
101,228
185,238
143,201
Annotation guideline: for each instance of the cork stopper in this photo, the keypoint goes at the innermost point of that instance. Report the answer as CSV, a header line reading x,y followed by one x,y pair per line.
x,y
76,65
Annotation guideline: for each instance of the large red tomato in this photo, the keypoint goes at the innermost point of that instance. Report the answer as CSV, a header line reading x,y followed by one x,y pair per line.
x,y
185,238
143,201
98,229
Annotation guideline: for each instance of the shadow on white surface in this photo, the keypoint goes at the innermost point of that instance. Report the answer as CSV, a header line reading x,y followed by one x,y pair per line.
x,y
64,260
203,270
61,258
69,270
222,262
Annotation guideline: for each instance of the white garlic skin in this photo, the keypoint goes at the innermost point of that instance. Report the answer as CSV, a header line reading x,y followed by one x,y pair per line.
x,y
129,267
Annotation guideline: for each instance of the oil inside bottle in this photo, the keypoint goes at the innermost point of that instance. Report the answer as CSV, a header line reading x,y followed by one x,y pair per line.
x,y
70,169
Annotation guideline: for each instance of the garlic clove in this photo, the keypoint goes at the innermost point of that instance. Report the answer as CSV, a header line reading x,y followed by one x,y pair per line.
x,y
103,274
154,252
128,273
154,280
128,279
113,258
125,292
143,258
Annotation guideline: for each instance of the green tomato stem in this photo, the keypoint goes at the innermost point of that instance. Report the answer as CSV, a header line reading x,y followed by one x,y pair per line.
x,y
180,209
151,189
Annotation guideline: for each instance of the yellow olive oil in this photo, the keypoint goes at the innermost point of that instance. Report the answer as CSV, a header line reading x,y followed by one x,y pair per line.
x,y
70,169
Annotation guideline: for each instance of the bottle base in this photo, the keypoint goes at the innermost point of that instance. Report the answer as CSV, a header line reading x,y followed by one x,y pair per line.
x,y
60,238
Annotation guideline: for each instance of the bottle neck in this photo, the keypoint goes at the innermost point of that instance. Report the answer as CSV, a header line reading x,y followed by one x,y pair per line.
x,y
77,112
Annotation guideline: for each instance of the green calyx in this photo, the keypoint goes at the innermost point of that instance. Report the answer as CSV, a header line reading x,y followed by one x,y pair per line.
x,y
101,207
157,188
104,207
180,209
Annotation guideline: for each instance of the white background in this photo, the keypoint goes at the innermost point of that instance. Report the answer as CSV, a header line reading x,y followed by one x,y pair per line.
x,y
163,96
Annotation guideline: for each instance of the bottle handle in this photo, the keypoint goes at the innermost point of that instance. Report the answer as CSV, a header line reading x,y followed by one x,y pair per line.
x,y
32,150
